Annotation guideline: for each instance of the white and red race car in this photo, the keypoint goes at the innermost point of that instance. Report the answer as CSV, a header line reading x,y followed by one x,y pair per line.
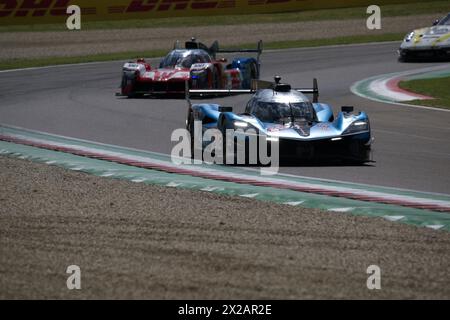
x,y
195,65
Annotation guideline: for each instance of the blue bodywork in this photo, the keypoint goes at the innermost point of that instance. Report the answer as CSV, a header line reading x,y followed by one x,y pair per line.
x,y
346,135
248,68
209,114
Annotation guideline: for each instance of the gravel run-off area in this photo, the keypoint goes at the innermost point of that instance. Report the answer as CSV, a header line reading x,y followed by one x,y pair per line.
x,y
26,45
135,240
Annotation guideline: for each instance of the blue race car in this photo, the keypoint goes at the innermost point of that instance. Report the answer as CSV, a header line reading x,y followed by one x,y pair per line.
x,y
304,130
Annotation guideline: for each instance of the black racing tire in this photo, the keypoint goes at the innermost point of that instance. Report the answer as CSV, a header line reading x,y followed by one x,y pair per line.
x,y
190,128
403,59
253,71
360,153
223,130
134,95
224,146
124,83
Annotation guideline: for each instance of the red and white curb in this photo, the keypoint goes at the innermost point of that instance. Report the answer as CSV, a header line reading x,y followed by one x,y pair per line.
x,y
385,88
214,173
388,88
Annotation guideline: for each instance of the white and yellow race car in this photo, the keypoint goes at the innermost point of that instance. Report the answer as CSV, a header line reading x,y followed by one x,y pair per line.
x,y
430,42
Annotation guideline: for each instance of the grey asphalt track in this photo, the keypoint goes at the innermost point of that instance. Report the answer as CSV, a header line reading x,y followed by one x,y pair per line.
x,y
411,151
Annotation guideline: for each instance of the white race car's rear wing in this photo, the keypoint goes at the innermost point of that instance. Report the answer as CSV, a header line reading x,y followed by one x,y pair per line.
x,y
314,91
257,85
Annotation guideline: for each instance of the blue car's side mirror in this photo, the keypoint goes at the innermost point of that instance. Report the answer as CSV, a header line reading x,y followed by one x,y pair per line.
x,y
436,22
225,109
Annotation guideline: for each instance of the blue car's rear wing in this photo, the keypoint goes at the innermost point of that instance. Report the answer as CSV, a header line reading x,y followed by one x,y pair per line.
x,y
259,49
214,49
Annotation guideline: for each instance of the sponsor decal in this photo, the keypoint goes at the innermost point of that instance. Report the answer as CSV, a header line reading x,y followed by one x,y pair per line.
x,y
51,11
166,5
200,66
323,126
33,8
275,128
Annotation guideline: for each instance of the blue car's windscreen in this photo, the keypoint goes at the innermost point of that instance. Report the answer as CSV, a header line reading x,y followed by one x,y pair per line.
x,y
282,112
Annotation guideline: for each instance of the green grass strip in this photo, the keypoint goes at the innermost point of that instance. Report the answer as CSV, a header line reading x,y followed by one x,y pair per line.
x,y
437,88
41,62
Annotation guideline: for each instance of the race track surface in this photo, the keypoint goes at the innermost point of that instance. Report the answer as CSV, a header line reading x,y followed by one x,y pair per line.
x,y
411,148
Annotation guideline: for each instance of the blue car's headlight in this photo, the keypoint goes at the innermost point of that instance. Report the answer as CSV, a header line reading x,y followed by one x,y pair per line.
x,y
358,126
409,36
240,124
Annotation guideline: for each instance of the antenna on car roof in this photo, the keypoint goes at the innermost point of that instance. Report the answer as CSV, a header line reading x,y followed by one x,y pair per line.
x,y
280,87
194,40
277,79
277,82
